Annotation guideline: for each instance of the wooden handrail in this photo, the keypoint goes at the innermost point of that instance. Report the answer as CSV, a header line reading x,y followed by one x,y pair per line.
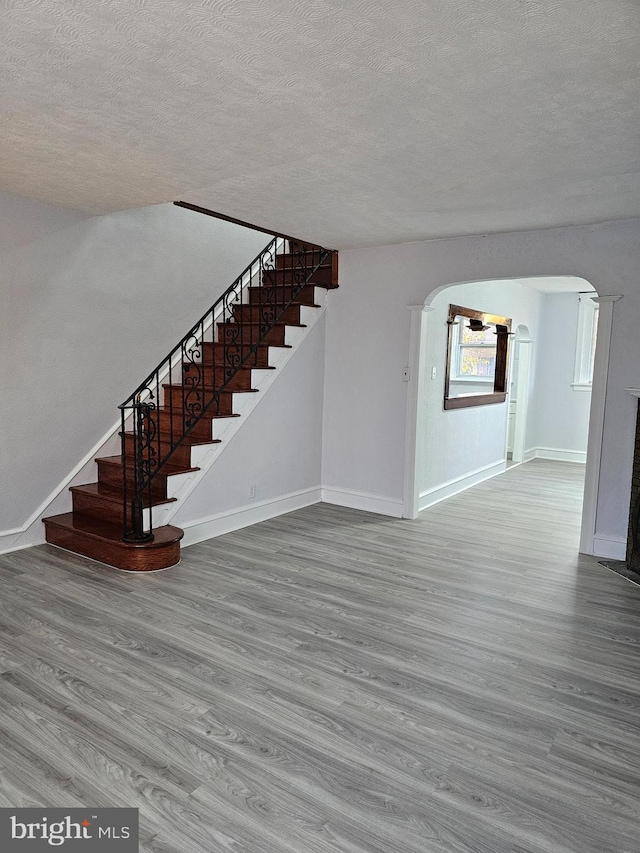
x,y
205,210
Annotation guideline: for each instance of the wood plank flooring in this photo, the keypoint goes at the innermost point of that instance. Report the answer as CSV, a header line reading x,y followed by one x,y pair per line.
x,y
334,681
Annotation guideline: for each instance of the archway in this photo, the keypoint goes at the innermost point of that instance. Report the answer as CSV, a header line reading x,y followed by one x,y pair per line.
x,y
417,421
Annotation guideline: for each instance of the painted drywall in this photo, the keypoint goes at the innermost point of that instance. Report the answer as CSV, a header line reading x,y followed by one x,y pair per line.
x,y
368,344
88,306
279,448
461,441
561,412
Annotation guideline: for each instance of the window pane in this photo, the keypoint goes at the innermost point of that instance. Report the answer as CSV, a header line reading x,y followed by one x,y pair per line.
x,y
478,361
467,336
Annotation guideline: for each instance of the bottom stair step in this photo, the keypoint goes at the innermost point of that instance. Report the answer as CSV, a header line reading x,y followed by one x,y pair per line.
x,y
105,502
102,541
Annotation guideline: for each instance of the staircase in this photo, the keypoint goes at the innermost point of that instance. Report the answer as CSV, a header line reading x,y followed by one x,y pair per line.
x,y
181,403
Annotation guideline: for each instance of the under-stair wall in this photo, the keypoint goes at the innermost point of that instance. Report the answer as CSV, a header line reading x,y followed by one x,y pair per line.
x,y
273,464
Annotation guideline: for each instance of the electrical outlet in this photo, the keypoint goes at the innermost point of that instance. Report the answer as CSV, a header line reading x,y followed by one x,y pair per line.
x,y
252,491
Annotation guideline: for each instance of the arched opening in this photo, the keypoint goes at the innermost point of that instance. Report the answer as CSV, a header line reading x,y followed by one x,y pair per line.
x,y
431,440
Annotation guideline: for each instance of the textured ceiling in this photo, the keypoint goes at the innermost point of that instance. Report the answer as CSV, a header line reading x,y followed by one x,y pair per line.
x,y
348,122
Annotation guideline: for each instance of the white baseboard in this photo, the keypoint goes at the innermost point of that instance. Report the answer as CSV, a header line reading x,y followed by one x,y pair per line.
x,y
244,516
561,455
363,501
460,484
529,454
609,547
10,539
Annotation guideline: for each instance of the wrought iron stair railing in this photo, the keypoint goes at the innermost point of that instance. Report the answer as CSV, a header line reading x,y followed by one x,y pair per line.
x,y
159,415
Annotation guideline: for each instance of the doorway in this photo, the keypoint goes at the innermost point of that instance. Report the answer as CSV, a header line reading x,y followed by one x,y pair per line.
x,y
425,323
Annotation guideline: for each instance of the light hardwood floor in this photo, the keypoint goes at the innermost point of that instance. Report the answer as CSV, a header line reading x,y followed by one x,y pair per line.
x,y
338,681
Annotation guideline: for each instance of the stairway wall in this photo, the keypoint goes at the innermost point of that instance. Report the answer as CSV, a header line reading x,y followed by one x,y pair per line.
x,y
88,306
278,449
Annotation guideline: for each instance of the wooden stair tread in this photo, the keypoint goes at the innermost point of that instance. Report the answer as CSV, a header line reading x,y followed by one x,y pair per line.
x,y
293,304
190,440
210,414
210,388
258,323
107,530
224,344
114,495
325,265
187,441
222,366
165,470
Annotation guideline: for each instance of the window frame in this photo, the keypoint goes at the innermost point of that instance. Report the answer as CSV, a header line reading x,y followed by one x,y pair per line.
x,y
586,341
503,329
459,346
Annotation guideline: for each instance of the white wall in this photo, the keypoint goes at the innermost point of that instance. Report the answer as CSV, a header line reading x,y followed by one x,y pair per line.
x,y
561,413
368,341
278,449
88,306
459,442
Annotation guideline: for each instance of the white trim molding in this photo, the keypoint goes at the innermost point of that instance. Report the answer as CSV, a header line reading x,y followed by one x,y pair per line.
x,y
523,384
583,363
461,484
609,547
414,425
10,540
560,455
363,501
596,422
244,516
581,386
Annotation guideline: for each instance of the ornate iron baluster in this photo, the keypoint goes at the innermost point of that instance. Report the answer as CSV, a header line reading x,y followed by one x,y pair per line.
x,y
145,450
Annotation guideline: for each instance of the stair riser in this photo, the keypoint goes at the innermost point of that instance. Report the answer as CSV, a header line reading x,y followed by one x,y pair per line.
x,y
114,554
287,260
215,377
198,398
161,447
111,475
202,431
234,333
223,355
322,277
94,507
97,508
267,313
281,295
298,246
